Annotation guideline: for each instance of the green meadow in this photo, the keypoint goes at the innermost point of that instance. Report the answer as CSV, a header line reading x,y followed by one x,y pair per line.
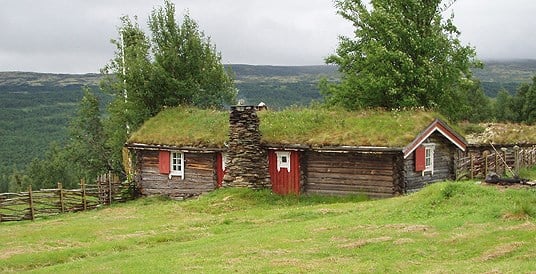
x,y
450,227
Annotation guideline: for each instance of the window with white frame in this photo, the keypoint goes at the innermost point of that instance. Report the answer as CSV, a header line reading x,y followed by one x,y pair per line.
x,y
283,160
429,157
176,164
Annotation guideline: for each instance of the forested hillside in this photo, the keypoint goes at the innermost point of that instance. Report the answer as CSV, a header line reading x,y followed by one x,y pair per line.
x,y
505,74
36,107
281,86
35,110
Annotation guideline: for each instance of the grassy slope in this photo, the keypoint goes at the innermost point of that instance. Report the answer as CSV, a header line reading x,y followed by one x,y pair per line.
x,y
447,227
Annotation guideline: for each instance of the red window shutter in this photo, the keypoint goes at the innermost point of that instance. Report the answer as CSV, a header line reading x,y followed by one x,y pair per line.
x,y
420,162
163,162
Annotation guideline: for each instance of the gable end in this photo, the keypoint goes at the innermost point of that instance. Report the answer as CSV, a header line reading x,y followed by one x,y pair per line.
x,y
436,126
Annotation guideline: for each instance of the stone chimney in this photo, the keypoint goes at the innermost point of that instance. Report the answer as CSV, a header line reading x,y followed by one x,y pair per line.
x,y
247,162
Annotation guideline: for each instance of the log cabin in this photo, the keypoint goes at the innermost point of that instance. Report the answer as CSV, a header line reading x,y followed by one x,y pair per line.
x,y
185,152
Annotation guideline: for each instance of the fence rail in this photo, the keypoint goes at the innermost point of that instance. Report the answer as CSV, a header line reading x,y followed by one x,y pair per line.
x,y
32,204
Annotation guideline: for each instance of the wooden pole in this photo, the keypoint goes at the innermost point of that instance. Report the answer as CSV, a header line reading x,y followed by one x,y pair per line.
x,y
516,160
504,160
485,164
60,191
496,161
472,163
109,189
84,198
30,201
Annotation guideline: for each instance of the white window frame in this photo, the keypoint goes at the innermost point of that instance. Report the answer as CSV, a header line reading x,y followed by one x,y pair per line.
x,y
429,151
176,165
283,160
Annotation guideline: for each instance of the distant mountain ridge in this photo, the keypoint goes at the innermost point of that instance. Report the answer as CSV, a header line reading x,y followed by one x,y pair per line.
x,y
497,71
10,79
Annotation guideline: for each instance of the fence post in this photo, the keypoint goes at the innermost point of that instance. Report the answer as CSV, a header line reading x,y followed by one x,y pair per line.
x,y
30,201
504,160
496,162
60,191
84,198
516,160
472,167
110,197
531,160
485,154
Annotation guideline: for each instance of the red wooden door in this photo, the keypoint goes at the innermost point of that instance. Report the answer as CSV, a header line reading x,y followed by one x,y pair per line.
x,y
284,169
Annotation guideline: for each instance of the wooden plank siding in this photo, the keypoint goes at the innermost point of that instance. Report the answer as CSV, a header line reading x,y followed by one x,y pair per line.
x,y
336,173
443,165
199,175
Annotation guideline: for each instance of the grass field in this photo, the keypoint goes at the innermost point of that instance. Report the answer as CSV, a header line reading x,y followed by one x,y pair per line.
x,y
448,227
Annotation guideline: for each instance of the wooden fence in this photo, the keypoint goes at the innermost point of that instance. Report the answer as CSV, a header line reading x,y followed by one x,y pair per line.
x,y
480,160
32,204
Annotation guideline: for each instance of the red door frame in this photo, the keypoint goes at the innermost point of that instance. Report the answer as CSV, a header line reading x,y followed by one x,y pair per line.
x,y
219,169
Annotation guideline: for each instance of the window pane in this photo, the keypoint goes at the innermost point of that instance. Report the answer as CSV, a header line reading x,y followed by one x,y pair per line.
x,y
176,158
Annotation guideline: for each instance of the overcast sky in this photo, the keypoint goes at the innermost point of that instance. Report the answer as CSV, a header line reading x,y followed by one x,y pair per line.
x,y
73,36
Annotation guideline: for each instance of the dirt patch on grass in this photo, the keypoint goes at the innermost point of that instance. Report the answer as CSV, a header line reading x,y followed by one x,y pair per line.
x,y
16,250
324,229
511,216
524,226
362,242
39,247
409,228
136,234
500,251
402,241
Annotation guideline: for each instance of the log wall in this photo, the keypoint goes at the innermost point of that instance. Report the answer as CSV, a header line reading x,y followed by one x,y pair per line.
x,y
199,175
335,173
444,169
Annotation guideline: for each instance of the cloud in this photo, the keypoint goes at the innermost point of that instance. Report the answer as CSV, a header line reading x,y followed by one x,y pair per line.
x,y
74,35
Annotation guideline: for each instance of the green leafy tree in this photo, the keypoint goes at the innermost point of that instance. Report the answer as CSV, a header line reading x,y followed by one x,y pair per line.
x,y
55,167
188,67
174,65
403,54
86,148
474,106
503,107
18,181
85,154
527,101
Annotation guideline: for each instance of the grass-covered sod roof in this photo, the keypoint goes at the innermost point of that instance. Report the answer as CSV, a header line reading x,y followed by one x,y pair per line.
x,y
304,126
182,126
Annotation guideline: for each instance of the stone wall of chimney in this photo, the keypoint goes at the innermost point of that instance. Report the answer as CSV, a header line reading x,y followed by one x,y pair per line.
x,y
247,162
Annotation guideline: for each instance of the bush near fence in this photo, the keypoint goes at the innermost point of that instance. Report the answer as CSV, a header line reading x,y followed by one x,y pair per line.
x,y
480,160
31,204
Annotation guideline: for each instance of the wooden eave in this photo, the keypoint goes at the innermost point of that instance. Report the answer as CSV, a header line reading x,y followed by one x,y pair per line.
x,y
296,147
141,146
436,126
338,149
361,149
